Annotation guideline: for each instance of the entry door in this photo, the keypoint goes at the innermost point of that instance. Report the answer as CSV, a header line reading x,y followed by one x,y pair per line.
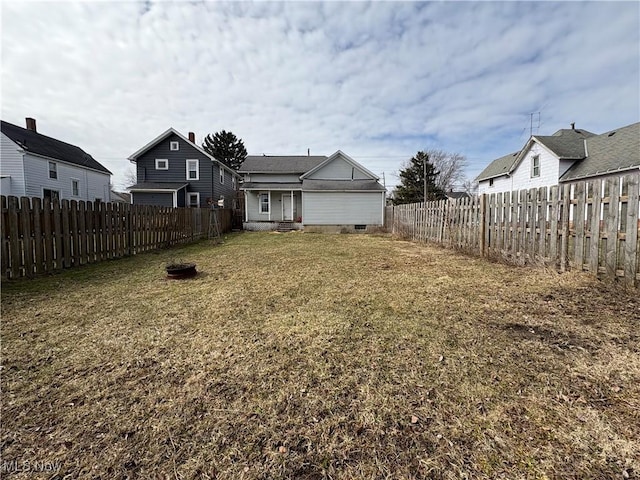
x,y
287,214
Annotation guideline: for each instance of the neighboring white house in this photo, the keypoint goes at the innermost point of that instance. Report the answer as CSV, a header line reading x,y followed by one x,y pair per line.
x,y
567,155
34,165
316,193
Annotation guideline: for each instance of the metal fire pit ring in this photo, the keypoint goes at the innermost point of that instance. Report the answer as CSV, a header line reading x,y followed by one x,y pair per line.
x,y
181,270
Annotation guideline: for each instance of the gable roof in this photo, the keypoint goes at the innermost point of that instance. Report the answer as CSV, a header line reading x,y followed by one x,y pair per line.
x,y
497,168
36,143
348,159
167,133
566,144
614,151
295,164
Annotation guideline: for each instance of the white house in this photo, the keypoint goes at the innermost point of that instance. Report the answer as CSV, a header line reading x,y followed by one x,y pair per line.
x,y
567,155
34,165
316,193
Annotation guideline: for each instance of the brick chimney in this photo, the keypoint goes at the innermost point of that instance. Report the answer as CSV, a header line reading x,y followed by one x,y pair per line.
x,y
192,137
31,124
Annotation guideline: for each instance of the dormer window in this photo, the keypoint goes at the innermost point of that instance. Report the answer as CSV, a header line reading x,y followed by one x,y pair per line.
x,y
173,146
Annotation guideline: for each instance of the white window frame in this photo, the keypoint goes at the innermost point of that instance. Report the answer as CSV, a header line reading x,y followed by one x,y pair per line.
x,y
53,170
491,182
268,194
234,183
535,159
197,164
221,175
166,163
174,146
190,195
75,192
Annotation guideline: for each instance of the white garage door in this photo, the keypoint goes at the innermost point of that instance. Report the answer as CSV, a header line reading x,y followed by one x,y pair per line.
x,y
342,208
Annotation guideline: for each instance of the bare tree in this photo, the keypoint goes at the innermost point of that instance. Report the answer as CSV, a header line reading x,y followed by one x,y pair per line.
x,y
471,187
451,167
130,177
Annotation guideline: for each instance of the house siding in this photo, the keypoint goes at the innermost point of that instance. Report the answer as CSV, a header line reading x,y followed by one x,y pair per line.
x,y
339,169
335,208
550,170
11,165
92,184
208,183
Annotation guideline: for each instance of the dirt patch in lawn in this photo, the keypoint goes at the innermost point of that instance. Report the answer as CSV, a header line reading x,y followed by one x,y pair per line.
x,y
319,356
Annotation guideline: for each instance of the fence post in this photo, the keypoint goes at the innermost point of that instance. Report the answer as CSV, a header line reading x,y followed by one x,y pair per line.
x,y
483,224
631,231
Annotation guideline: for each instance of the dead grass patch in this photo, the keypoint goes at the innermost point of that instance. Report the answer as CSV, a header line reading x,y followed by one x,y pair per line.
x,y
320,356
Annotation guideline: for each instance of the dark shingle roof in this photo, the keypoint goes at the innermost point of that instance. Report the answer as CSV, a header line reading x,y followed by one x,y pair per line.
x,y
500,166
280,164
566,143
270,186
34,142
456,195
342,185
613,151
158,186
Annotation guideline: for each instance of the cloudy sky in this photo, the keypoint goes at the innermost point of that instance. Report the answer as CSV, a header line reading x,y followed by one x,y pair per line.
x,y
379,80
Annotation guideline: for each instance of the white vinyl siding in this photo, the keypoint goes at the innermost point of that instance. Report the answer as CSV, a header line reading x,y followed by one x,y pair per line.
x,y
193,170
342,208
92,184
11,167
339,169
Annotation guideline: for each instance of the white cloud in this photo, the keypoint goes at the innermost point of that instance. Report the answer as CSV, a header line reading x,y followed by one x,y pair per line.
x,y
377,80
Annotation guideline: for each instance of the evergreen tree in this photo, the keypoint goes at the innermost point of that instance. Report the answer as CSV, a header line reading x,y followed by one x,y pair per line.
x,y
411,188
226,147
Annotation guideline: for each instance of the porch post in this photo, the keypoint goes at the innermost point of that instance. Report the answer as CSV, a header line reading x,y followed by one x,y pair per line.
x,y
246,206
292,210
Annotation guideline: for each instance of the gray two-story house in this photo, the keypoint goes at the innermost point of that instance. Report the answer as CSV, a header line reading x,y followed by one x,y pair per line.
x,y
173,171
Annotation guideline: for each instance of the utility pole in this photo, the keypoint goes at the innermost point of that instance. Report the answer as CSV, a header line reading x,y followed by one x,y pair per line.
x,y
424,177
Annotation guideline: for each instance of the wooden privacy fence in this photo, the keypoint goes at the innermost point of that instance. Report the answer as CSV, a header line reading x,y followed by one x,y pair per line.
x,y
40,236
591,226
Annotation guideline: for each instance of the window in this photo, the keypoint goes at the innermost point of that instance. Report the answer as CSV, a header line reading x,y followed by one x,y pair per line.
x,y
75,188
221,174
535,166
162,164
193,199
491,182
193,172
174,146
52,195
264,203
233,182
53,170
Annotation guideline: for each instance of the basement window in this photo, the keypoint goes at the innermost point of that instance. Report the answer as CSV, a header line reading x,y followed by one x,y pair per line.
x,y
174,146
360,227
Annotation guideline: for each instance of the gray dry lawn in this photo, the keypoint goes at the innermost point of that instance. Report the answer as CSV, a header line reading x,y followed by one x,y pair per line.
x,y
320,356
